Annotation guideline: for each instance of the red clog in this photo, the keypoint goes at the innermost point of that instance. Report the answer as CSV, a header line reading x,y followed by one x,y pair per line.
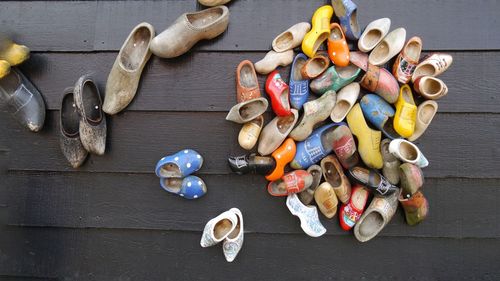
x,y
352,211
279,93
292,182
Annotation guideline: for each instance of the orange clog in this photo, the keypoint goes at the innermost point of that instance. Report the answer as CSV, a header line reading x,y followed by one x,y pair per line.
x,y
338,51
282,155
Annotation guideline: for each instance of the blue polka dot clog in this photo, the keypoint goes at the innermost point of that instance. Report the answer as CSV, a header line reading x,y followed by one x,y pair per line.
x,y
190,187
179,165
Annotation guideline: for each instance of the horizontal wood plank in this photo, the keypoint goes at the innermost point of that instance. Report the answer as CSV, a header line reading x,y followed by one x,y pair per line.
x,y
91,26
206,81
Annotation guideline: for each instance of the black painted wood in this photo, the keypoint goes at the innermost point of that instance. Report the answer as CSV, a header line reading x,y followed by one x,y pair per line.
x,y
206,81
89,26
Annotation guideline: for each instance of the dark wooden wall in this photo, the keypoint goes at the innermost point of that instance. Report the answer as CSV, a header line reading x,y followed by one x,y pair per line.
x,y
110,220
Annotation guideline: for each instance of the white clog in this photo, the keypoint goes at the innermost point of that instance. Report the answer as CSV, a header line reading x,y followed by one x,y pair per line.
x,y
408,152
373,34
346,99
218,228
389,47
234,241
308,215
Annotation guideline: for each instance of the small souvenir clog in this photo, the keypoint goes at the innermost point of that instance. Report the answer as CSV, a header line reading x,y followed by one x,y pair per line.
x,y
334,78
406,113
407,60
282,156
272,60
352,211
292,182
346,99
315,66
379,113
338,50
246,111
345,147
279,93
391,163
247,85
408,152
416,208
334,175
346,11
433,65
430,87
372,180
249,133
307,195
291,38
251,163
190,187
326,200
374,32
179,165
275,132
308,216
299,85
389,47
218,228
425,113
412,179
231,246
319,32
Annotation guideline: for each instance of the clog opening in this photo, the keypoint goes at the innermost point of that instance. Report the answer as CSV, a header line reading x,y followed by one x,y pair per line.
x,y
332,175
278,187
259,121
340,110
425,70
297,75
236,230
335,33
170,169
358,198
380,52
316,66
70,119
408,151
285,123
136,49
91,101
321,38
284,99
371,225
284,41
9,84
252,109
431,86
427,113
407,96
413,50
372,38
248,79
172,184
205,17
221,228
354,22
347,71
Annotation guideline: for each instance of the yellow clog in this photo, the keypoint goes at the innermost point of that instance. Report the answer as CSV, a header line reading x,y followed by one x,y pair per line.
x,y
368,139
320,30
4,68
406,113
13,53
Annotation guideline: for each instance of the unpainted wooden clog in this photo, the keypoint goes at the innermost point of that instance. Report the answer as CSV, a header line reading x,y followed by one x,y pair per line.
x,y
389,47
213,3
407,60
272,60
190,187
334,78
338,50
307,195
374,32
218,228
315,66
352,211
69,123
282,156
319,32
326,200
408,152
246,111
425,113
299,85
308,216
431,88
391,163
249,133
433,65
291,38
247,84
406,113
334,175
346,99
346,11
231,246
275,132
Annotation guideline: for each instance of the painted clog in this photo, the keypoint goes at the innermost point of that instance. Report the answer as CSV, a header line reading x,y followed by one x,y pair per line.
x,y
352,211
292,182
334,78
92,118
433,65
376,217
282,156
22,100
123,79
326,200
368,139
408,152
291,38
391,163
279,93
346,12
372,180
346,99
179,165
13,53
345,147
412,179
249,133
374,32
247,111
275,132
218,228
231,246
190,187
4,68
319,32
430,87
338,50
379,113
416,208
389,47
315,66
407,60
307,195
334,175
406,113
308,216
247,85
252,163
188,29
299,85
69,125
272,60
318,145
315,111
425,113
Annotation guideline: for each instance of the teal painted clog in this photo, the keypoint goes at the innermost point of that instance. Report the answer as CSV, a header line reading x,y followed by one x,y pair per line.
x,y
334,78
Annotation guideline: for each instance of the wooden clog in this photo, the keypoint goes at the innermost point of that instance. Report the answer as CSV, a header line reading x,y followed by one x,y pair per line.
x,y
291,38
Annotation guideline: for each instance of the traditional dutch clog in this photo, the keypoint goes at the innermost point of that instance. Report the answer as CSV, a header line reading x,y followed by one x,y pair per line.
x,y
272,60
391,163
249,133
190,187
408,152
430,87
92,119
218,228
252,163
4,68
275,132
338,50
334,78
282,156
246,111
379,113
69,123
345,147
416,208
368,139
376,217
318,145
346,12
319,32
299,85
315,66
346,99
188,29
352,211
315,111
292,182
372,180
291,38
407,60
123,79
433,65
406,113
425,113
326,200
389,47
374,32
307,195
308,216
279,93
213,3
334,175
13,53
231,246
247,85
412,179
179,165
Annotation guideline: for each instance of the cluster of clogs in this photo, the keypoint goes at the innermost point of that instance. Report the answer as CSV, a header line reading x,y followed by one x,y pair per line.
x,y
365,151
